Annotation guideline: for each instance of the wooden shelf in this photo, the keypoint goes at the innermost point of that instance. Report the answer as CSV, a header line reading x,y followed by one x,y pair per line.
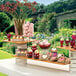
x,y
40,60
67,48
19,42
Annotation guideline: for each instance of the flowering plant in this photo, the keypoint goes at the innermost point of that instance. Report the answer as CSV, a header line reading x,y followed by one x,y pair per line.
x,y
19,10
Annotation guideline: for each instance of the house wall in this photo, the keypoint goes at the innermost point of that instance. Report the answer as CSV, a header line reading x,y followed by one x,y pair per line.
x,y
60,19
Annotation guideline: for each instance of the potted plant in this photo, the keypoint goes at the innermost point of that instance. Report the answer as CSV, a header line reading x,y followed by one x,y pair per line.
x,y
19,11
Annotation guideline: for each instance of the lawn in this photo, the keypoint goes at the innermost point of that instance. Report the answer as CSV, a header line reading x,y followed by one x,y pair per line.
x,y
1,74
5,55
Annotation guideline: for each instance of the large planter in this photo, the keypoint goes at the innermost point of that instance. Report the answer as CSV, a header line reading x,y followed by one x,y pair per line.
x,y
18,25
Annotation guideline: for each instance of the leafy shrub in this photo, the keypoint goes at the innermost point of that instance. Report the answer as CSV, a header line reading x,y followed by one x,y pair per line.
x,y
46,23
5,30
8,47
2,36
63,32
4,21
56,39
39,35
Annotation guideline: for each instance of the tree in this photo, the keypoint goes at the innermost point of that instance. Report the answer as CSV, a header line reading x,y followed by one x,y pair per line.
x,y
4,21
44,23
61,6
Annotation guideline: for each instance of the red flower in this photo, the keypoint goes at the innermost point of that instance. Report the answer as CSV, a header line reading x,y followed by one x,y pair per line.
x,y
18,1
34,3
7,9
34,9
8,3
28,5
25,4
13,4
25,0
2,7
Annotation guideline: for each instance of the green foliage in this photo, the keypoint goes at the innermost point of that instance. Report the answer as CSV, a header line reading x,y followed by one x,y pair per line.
x,y
7,28
28,19
4,21
45,23
61,6
2,36
53,25
8,47
63,32
2,74
60,51
5,55
56,39
63,51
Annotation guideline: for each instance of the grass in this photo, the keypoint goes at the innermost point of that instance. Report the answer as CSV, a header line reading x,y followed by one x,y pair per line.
x,y
1,74
5,55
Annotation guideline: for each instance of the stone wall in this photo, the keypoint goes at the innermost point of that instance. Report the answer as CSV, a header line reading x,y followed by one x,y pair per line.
x,y
60,19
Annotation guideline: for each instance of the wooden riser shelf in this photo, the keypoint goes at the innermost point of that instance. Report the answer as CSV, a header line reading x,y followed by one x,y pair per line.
x,y
39,60
20,42
72,55
67,48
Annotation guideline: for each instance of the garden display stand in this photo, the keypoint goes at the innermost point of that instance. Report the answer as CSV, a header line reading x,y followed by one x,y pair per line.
x,y
22,60
72,55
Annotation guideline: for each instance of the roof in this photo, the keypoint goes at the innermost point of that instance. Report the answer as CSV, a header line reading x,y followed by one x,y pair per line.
x,y
64,13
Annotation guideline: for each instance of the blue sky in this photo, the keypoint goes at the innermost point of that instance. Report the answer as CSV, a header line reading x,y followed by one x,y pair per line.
x,y
45,2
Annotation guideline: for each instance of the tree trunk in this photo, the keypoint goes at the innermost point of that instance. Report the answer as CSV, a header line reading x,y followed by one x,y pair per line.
x,y
18,25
